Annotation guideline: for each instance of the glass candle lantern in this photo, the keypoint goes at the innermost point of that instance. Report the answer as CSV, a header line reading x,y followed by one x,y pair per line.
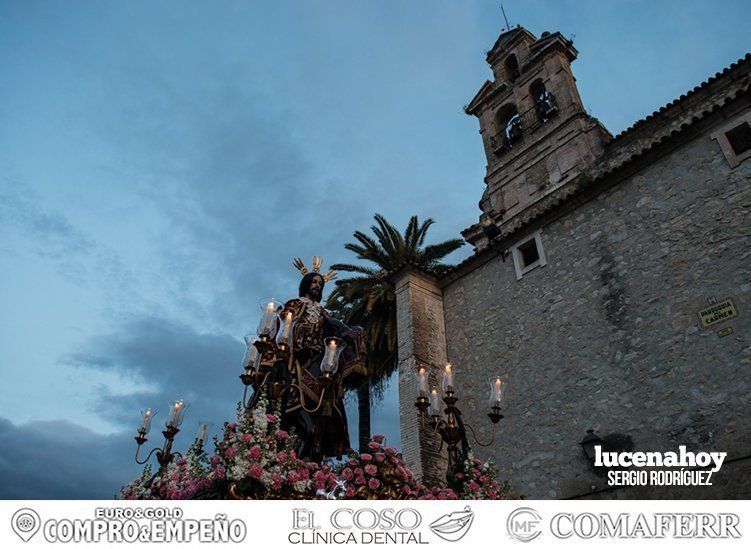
x,y
146,417
448,379
267,323
497,391
435,403
177,414
330,363
251,356
284,334
422,382
203,431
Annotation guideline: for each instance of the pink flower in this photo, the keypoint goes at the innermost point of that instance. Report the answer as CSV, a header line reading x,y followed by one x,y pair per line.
x,y
473,486
459,476
353,463
230,453
360,481
358,471
379,457
246,438
276,482
312,466
255,453
374,446
281,456
371,469
390,451
484,479
256,472
293,477
271,418
378,438
282,435
347,474
366,457
374,483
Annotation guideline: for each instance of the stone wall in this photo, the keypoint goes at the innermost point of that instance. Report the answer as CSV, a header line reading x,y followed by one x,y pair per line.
x,y
607,336
422,342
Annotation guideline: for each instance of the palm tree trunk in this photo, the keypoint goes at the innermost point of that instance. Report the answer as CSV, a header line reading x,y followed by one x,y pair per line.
x,y
363,410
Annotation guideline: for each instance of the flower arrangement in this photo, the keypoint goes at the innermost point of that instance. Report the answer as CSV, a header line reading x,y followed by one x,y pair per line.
x,y
258,458
255,459
477,479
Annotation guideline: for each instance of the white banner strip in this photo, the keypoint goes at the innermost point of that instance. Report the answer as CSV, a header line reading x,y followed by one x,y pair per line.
x,y
435,523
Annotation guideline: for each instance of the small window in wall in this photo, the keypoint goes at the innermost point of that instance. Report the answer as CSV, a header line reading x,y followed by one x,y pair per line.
x,y
528,254
740,138
512,68
734,139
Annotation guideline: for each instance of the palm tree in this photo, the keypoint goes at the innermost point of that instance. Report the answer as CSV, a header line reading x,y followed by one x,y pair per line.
x,y
369,300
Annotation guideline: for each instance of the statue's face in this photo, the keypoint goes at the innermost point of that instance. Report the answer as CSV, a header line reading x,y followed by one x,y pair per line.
x,y
315,291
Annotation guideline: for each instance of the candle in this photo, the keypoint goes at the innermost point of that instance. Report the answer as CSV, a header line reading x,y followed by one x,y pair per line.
x,y
435,403
422,381
448,378
253,356
268,317
146,418
177,411
250,349
331,352
330,363
287,327
497,387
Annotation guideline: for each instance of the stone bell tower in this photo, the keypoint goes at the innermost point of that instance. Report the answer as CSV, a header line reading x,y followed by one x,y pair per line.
x,y
536,133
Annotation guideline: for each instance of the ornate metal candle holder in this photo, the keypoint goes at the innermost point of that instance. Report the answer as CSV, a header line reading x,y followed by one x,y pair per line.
x,y
164,455
449,426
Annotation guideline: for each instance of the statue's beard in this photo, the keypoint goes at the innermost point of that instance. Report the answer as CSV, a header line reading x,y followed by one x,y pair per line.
x,y
315,295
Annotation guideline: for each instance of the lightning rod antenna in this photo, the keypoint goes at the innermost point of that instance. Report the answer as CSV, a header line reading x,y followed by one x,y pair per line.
x,y
508,27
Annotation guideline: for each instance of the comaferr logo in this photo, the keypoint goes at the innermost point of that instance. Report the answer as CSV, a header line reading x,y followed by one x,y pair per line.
x,y
524,524
657,525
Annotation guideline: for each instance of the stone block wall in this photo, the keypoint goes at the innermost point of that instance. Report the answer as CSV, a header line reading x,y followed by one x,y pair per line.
x,y
422,342
607,334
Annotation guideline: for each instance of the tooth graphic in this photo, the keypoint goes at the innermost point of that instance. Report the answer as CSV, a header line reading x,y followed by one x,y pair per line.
x,y
453,526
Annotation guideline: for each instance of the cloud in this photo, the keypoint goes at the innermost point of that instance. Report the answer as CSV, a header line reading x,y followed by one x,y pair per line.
x,y
174,359
62,460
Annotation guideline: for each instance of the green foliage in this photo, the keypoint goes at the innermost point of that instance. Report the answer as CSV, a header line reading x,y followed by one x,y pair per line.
x,y
368,299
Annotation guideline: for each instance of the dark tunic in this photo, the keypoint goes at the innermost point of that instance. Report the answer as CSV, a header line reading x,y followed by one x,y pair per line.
x,y
318,416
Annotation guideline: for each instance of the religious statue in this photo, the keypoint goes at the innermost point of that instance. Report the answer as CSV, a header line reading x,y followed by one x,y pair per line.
x,y
313,355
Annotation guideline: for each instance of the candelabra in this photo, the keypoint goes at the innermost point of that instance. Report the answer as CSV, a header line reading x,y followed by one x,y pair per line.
x,y
164,454
266,358
450,427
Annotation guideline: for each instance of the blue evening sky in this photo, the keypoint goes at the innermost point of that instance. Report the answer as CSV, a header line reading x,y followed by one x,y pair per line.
x,y
161,163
